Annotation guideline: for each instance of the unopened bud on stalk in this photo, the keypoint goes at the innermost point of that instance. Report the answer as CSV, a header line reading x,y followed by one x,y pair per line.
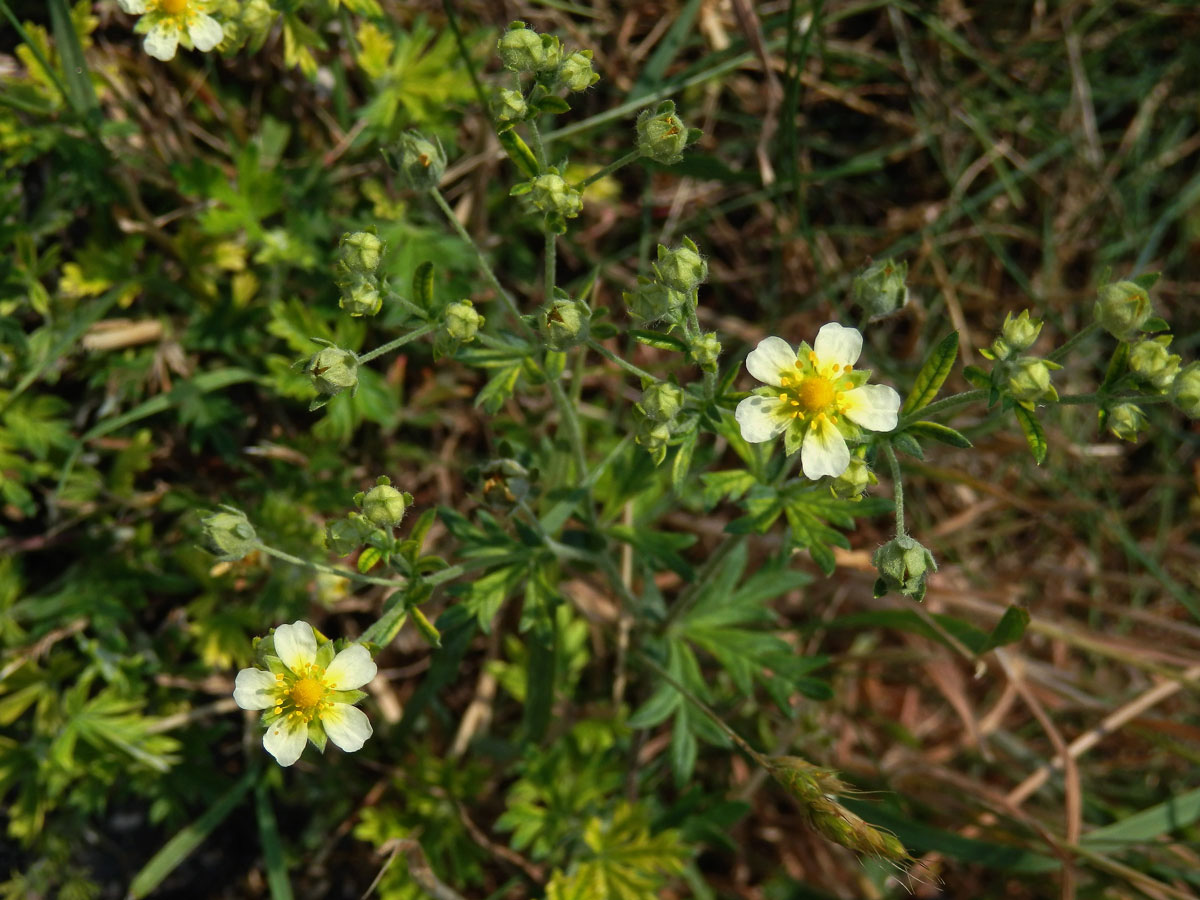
x,y
523,50
1126,421
1029,380
332,371
551,194
506,483
1017,336
661,401
228,534
419,161
383,505
681,269
1150,359
575,73
510,107
344,536
854,481
1185,392
705,350
462,322
880,289
566,323
903,565
361,251
654,436
361,297
653,301
662,136
1123,309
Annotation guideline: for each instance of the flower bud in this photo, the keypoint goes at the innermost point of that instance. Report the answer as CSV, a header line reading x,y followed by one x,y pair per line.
x,y
654,436
566,323
506,483
903,565
661,401
420,161
228,535
880,289
653,301
509,107
705,350
575,73
524,50
461,322
332,371
383,505
552,195
361,251
1122,309
681,269
1029,380
854,481
662,136
344,536
360,297
1126,421
1185,392
1150,359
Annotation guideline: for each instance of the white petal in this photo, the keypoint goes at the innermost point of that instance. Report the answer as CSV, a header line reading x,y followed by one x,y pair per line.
x,y
824,451
133,7
161,41
771,358
837,345
296,645
346,726
350,669
285,739
755,416
254,689
873,406
205,32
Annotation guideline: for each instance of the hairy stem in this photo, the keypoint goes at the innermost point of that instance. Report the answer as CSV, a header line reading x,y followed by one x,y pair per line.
x,y
897,487
624,364
398,342
625,160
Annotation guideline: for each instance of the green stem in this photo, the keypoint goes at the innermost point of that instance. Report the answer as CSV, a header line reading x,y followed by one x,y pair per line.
x,y
551,258
393,297
897,487
539,149
624,364
328,569
948,403
625,160
1100,397
483,263
1082,335
566,412
710,378
398,342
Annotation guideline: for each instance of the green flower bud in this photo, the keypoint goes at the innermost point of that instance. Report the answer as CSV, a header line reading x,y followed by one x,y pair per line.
x,y
524,50
552,195
461,322
1126,421
228,535
662,136
705,350
566,323
653,301
361,298
1029,380
575,73
681,269
654,436
661,401
854,481
1150,359
419,161
1020,333
383,505
361,251
506,483
903,565
880,289
344,536
332,371
510,107
1122,309
1185,392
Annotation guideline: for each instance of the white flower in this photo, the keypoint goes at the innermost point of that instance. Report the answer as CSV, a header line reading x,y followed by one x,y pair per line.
x,y
815,398
309,693
166,21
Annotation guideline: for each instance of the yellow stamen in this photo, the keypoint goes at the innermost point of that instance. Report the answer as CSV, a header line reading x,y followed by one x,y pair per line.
x,y
816,393
173,7
307,693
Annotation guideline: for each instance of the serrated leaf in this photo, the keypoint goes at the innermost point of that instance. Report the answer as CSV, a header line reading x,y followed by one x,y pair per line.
x,y
1035,435
938,432
730,484
933,374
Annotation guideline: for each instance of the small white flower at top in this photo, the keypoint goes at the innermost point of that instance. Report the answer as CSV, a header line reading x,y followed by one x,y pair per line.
x,y
815,398
308,692
166,21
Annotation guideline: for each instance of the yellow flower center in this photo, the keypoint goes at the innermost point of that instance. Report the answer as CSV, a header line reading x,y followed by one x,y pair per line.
x,y
173,7
815,393
307,693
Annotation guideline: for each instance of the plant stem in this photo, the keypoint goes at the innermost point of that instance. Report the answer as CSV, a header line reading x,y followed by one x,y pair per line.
x,y
398,342
951,402
539,149
550,273
897,487
483,263
624,364
328,569
566,412
625,160
406,303
1079,337
1098,397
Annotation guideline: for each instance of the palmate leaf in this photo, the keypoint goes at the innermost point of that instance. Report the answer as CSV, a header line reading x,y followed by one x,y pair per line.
x,y
815,516
625,862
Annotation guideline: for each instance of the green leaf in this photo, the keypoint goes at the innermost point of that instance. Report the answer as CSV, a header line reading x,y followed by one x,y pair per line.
x,y
1149,824
906,443
552,103
541,643
938,432
658,548
1035,435
1147,280
518,151
978,377
423,286
974,639
682,463
656,339
499,388
484,596
730,484
1009,630
181,846
933,374
368,559
272,846
80,93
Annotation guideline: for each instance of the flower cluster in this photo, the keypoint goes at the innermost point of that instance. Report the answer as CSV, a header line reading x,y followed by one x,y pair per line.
x,y
166,22
308,692
816,399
